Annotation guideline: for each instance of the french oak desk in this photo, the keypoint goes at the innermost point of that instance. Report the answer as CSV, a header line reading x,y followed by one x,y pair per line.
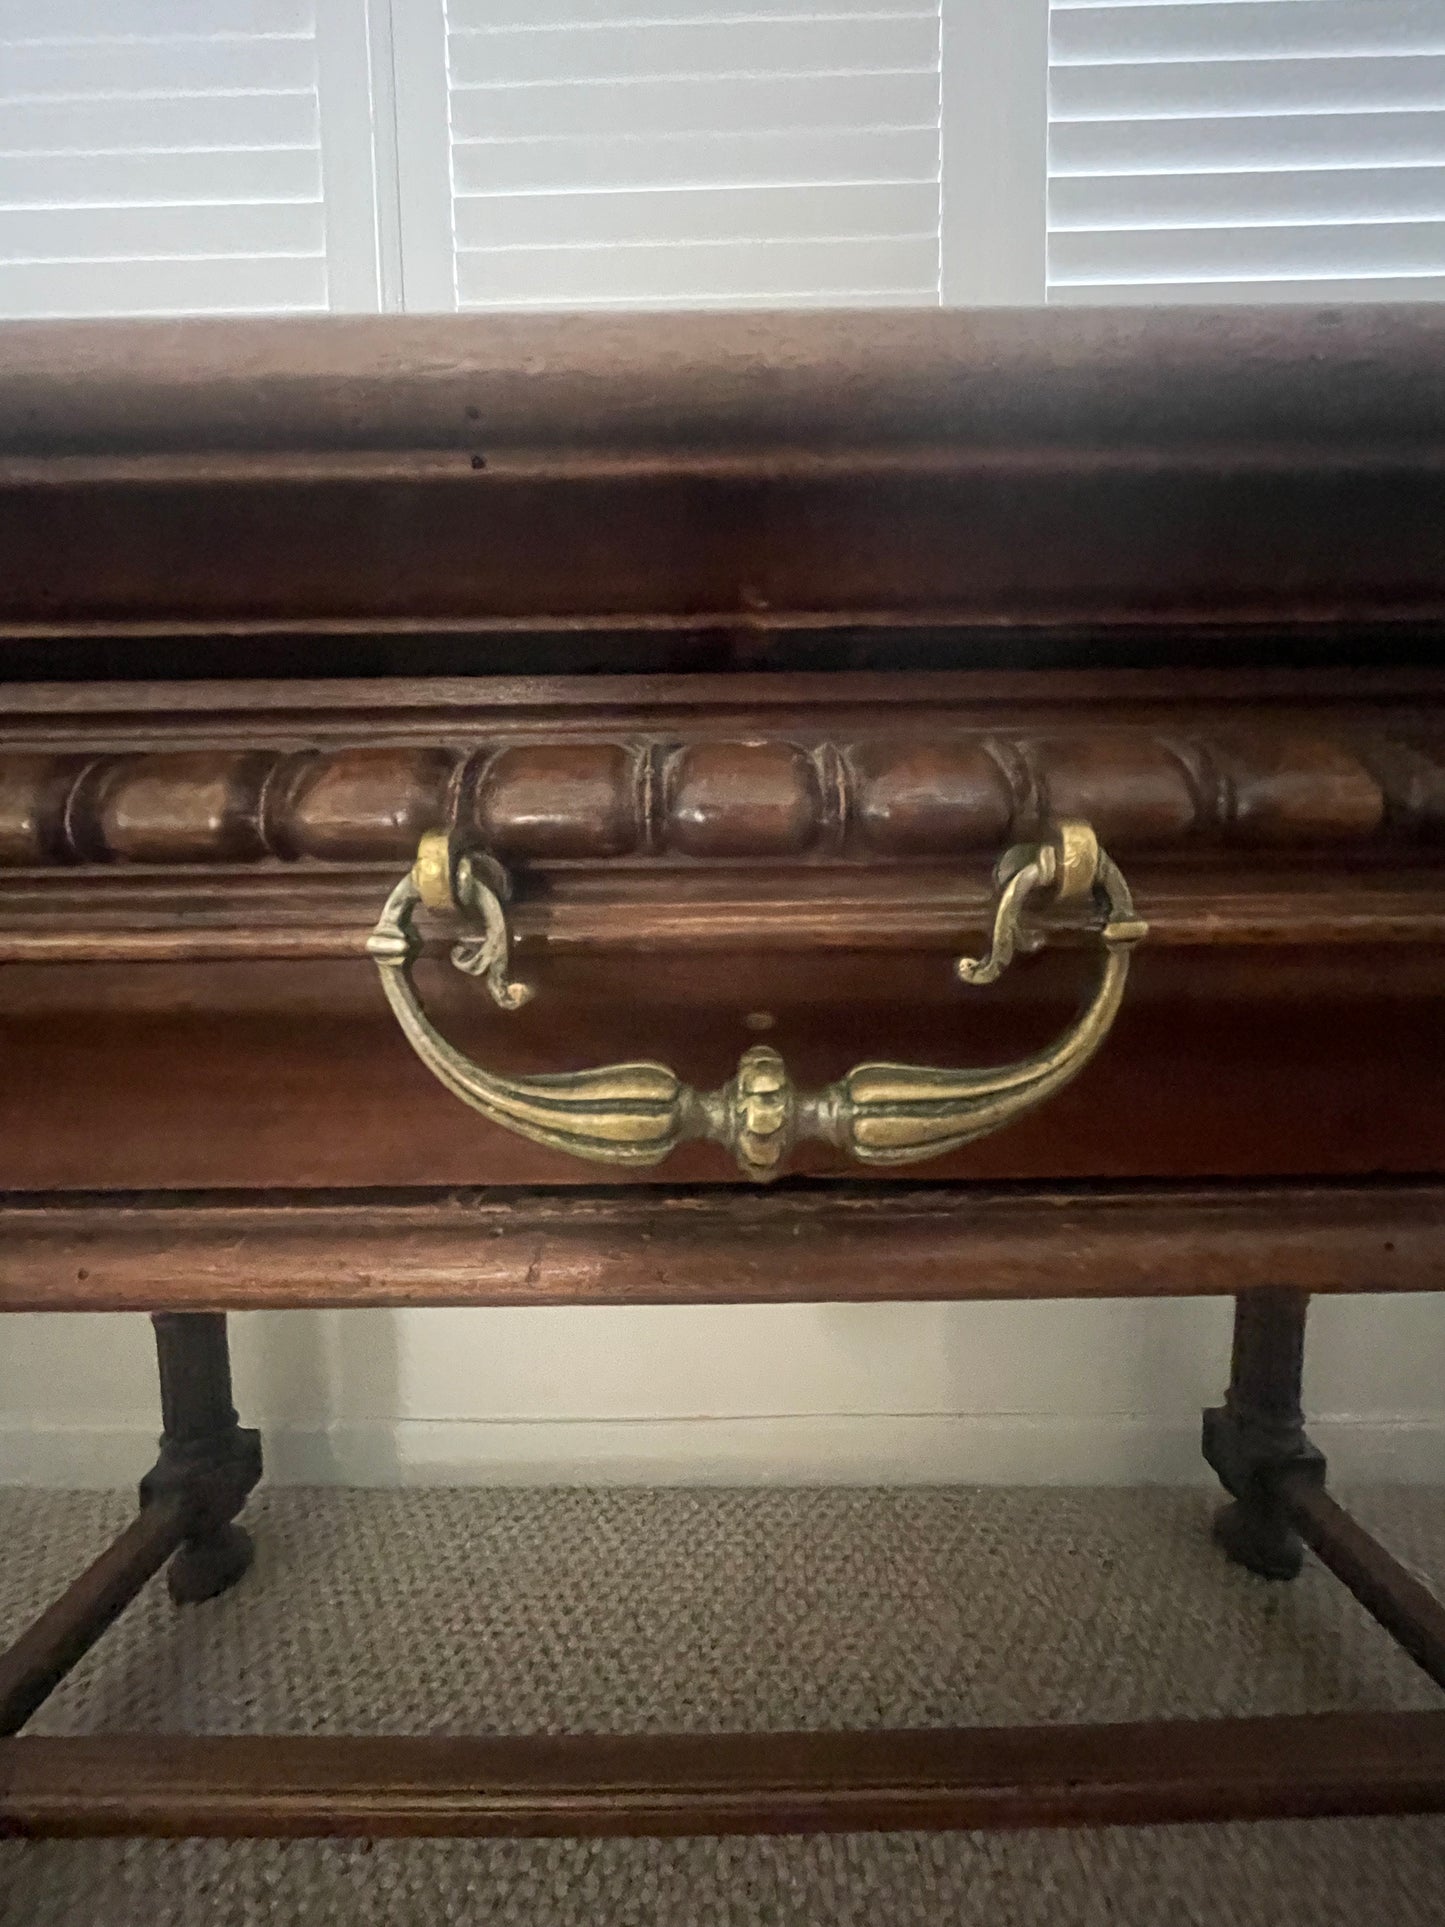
x,y
721,808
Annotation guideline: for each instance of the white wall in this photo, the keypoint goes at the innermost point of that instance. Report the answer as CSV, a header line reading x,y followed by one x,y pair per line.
x,y
1049,1393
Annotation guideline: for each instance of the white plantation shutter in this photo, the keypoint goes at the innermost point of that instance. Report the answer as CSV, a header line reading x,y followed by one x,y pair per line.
x,y
1201,151
649,153
185,156
275,156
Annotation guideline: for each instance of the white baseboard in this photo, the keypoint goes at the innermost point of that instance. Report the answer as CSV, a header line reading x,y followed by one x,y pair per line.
x,y
795,1449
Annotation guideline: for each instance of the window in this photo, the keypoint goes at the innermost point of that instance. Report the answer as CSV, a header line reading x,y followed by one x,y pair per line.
x,y
291,156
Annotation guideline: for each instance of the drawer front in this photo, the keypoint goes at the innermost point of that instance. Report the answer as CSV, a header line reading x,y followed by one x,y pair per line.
x,y
1220,1063
189,876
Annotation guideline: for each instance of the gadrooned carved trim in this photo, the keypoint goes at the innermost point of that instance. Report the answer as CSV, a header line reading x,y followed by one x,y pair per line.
x,y
766,799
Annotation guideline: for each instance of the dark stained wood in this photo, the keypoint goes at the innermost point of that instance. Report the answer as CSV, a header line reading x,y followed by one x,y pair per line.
x,y
206,1467
550,800
699,546
39,1659
709,1245
153,712
1231,1061
688,383
1297,1767
1408,1610
960,791
206,1459
1266,1373
350,806
1257,1436
980,564
257,914
741,474
919,772
750,799
716,813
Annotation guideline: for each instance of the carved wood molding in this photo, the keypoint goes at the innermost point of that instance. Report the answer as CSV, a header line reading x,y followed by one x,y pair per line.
x,y
761,811
775,797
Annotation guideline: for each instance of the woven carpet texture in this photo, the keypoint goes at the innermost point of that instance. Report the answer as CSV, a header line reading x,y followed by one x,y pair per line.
x,y
563,1609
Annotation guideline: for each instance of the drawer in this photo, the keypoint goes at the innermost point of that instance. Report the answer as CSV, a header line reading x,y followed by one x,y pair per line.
x,y
707,866
284,1073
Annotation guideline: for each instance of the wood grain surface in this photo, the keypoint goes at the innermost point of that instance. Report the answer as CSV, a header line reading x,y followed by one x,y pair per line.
x,y
108,1252
731,481
1287,1767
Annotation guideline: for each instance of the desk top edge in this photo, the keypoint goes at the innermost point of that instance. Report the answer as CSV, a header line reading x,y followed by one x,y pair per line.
x,y
1358,377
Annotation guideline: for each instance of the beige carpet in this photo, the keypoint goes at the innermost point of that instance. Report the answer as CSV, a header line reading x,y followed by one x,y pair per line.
x,y
513,1610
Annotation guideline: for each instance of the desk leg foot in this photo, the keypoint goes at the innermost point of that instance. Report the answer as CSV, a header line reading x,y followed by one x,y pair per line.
x,y
1259,1539
207,1458
203,1568
1257,1436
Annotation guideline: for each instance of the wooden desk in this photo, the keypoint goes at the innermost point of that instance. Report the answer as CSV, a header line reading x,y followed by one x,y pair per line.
x,y
706,668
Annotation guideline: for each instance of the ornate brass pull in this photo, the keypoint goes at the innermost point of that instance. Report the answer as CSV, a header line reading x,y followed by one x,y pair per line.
x,y
880,1113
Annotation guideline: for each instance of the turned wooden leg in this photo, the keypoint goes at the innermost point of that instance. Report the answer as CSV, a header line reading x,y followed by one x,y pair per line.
x,y
207,1459
1257,1437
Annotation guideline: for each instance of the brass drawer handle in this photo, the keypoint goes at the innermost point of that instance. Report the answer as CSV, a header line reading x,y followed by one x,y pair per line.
x,y
880,1113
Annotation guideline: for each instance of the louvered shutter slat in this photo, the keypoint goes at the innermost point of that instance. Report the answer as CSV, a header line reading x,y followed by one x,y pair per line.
x,y
154,124
696,159
217,284
158,232
663,271
704,49
693,103
1164,89
559,16
1333,249
1243,30
118,20
696,216
84,71
1244,199
235,175
1100,149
